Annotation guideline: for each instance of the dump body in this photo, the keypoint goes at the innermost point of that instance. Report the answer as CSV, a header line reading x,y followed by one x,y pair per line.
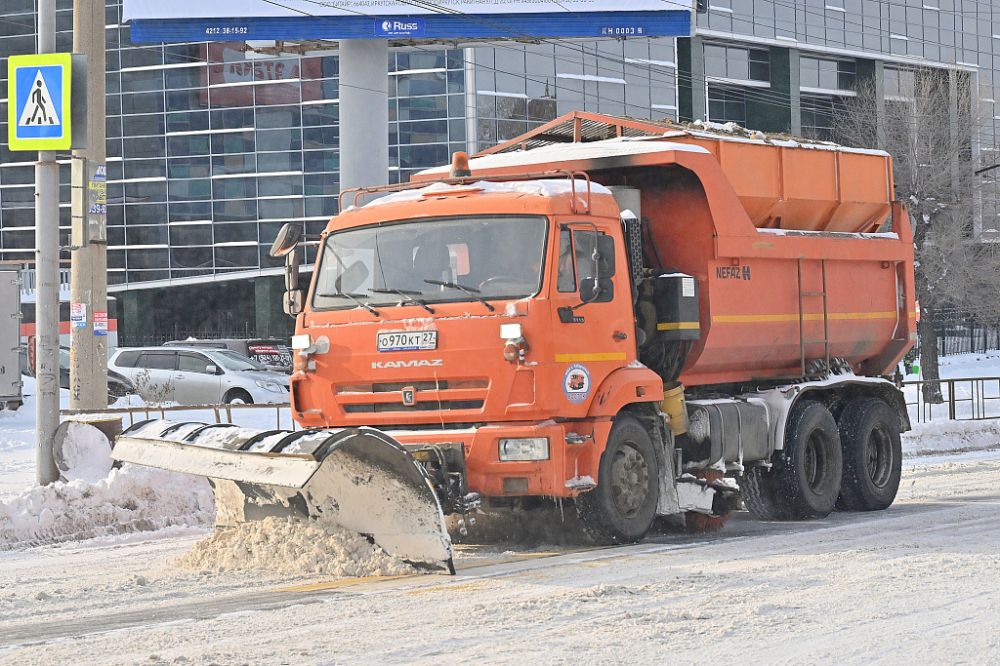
x,y
780,182
772,301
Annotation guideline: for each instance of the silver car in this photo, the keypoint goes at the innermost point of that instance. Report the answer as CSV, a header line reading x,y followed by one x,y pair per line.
x,y
191,376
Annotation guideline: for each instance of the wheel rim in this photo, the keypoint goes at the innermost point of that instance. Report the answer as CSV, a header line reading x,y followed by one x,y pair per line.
x,y
629,480
816,459
878,457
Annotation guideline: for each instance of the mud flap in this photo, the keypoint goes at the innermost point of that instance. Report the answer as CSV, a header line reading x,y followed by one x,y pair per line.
x,y
668,504
358,478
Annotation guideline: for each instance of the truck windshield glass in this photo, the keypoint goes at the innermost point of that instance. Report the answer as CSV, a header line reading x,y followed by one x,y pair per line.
x,y
437,260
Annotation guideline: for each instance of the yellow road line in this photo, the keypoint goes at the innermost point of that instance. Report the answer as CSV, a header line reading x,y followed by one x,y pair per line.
x,y
596,356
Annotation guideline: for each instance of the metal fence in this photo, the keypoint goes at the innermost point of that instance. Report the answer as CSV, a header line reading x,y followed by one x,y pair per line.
x,y
213,413
963,399
964,333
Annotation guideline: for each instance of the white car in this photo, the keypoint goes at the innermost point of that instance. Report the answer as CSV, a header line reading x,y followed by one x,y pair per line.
x,y
191,376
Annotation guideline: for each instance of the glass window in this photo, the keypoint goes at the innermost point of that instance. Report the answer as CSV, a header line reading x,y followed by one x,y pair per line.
x,y
189,362
156,360
566,280
501,258
191,257
726,105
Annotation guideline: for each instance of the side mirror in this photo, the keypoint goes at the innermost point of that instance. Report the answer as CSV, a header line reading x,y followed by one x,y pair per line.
x,y
211,370
292,303
596,290
291,271
288,237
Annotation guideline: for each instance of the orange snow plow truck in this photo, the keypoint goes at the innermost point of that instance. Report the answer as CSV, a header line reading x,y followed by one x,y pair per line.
x,y
642,319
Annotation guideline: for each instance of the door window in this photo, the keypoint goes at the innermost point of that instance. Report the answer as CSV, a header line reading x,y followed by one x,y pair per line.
x,y
581,253
157,360
194,363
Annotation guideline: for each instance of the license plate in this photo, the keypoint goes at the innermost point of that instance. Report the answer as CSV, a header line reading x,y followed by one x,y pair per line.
x,y
407,340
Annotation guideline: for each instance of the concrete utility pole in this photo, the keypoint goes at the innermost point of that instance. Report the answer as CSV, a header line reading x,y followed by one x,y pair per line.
x,y
364,109
47,267
88,374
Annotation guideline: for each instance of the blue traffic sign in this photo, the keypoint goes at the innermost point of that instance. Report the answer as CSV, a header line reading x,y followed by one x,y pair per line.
x,y
39,113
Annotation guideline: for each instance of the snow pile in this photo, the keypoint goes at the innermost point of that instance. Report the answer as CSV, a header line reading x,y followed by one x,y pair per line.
x,y
951,437
130,499
290,546
85,453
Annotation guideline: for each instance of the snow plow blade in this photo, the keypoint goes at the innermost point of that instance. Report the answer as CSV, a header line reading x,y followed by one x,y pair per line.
x,y
357,478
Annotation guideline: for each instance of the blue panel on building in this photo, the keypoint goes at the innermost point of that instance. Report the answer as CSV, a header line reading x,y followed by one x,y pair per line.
x,y
437,26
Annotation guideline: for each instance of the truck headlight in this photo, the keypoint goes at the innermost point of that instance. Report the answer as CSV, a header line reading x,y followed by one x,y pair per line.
x,y
525,448
274,387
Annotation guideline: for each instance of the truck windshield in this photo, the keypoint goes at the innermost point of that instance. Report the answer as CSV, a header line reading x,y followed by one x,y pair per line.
x,y
432,261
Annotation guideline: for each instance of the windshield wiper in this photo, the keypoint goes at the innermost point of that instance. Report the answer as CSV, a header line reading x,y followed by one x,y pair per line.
x,y
355,298
468,290
407,295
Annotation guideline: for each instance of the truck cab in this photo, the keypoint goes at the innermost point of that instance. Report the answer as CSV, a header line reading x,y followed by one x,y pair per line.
x,y
490,323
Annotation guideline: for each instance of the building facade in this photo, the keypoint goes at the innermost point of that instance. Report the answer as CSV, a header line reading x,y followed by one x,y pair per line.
x,y
213,146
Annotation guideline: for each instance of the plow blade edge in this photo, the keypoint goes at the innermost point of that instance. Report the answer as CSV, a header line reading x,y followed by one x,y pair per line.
x,y
357,478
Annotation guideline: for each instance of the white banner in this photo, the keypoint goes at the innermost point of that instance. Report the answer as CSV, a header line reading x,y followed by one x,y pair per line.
x,y
200,9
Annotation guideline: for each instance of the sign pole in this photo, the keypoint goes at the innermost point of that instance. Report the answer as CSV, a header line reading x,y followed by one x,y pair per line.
x,y
88,373
47,267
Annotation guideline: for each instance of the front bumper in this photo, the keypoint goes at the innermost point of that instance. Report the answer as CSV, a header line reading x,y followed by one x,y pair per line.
x,y
474,455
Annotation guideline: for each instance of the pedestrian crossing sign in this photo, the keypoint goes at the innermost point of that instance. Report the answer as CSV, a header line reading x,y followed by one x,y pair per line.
x,y
38,107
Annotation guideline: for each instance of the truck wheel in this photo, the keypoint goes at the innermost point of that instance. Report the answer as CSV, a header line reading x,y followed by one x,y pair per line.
x,y
869,436
622,506
759,488
809,469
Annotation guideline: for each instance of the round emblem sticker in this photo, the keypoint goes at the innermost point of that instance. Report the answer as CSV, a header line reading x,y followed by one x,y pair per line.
x,y
576,383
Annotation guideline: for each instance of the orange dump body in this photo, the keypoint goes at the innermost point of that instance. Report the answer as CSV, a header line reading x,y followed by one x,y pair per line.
x,y
772,300
781,183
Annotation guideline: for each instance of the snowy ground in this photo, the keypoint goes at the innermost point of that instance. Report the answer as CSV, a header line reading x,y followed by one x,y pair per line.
x,y
915,583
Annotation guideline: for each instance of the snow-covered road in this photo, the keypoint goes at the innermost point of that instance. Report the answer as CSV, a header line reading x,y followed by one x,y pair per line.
x,y
919,583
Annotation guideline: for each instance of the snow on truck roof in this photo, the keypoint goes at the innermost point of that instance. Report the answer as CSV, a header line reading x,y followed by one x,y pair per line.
x,y
571,152
541,188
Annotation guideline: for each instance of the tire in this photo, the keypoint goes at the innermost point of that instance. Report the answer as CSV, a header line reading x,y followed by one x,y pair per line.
x,y
235,395
869,436
808,471
622,507
759,488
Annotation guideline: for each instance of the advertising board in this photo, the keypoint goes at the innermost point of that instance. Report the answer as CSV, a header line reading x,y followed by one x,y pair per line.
x,y
242,20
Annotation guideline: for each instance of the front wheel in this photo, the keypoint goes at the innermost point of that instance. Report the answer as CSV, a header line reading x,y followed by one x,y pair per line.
x,y
238,397
622,506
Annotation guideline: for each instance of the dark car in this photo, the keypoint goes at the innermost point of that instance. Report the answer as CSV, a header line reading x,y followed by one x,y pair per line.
x,y
119,385
275,354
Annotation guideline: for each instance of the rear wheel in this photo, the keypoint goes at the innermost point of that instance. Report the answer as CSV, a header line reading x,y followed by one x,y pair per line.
x,y
622,506
804,481
810,468
869,435
237,397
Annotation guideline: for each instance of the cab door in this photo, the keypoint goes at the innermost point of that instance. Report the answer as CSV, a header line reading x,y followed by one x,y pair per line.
x,y
593,323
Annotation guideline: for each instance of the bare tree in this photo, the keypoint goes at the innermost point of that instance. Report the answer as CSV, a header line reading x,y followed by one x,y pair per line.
x,y
928,129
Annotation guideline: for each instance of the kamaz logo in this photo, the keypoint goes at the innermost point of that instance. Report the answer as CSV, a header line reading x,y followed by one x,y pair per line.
x,y
424,363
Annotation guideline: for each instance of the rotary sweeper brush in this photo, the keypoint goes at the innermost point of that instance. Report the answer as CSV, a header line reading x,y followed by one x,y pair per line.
x,y
356,478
